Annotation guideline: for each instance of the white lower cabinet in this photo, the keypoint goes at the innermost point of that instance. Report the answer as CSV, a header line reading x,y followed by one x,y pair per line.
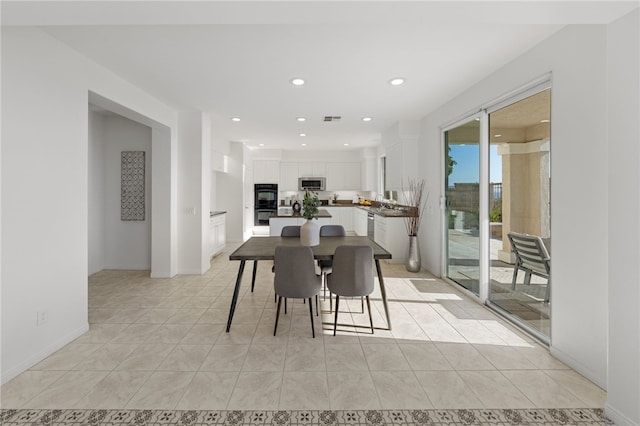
x,y
360,221
277,223
391,234
217,233
341,216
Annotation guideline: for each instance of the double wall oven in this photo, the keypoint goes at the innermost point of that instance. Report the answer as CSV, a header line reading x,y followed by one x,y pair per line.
x,y
265,202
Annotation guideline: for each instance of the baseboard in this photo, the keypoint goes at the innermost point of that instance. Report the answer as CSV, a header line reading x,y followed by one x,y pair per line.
x,y
40,355
190,272
128,267
617,417
574,364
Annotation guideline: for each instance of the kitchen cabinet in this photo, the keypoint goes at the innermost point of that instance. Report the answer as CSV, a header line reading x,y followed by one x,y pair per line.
x,y
288,176
369,174
394,169
217,233
266,171
277,223
380,230
391,233
343,176
346,218
360,221
341,216
219,162
312,169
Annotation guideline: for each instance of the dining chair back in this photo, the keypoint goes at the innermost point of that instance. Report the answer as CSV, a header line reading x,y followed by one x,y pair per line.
x,y
332,231
325,265
290,231
352,276
295,277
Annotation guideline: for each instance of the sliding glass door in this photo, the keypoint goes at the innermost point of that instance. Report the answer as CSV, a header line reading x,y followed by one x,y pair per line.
x,y
520,145
462,195
497,185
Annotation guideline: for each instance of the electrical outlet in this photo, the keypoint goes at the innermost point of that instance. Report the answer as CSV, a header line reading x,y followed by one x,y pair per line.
x,y
41,317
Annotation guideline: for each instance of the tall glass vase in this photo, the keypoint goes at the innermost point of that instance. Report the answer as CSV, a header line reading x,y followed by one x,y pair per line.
x,y
413,261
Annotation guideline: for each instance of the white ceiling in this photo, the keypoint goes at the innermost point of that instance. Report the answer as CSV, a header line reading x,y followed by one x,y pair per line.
x,y
235,59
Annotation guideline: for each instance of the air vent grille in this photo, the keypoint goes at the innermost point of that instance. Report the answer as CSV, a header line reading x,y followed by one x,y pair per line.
x,y
332,118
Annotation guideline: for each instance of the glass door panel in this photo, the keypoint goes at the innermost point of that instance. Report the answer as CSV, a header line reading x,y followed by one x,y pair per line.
x,y
462,195
519,201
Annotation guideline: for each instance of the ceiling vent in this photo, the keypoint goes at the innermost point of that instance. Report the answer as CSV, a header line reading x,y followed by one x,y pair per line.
x,y
332,118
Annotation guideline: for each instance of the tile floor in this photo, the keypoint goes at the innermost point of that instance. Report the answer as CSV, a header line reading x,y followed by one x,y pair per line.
x,y
160,344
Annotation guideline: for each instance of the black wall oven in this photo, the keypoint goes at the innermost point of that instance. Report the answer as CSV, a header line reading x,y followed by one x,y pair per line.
x,y
265,202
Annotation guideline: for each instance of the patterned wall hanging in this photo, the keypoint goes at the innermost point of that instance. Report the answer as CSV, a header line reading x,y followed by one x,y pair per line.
x,y
132,185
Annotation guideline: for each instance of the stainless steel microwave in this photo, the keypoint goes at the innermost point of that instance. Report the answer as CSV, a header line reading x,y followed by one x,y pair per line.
x,y
311,183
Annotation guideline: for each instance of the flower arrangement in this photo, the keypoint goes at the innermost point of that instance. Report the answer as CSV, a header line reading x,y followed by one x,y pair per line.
x,y
413,199
310,204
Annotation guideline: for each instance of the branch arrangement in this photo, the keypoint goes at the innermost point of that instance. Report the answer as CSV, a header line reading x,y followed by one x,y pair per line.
x,y
413,199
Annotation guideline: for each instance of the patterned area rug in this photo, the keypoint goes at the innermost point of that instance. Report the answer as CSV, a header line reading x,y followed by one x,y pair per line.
x,y
358,417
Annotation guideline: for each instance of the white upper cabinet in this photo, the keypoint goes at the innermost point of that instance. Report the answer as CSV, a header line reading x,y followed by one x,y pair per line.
x,y
369,174
266,171
288,176
312,169
219,162
394,166
343,176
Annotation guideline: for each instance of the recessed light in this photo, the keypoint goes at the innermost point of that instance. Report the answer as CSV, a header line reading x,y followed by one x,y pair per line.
x,y
303,144
303,134
345,144
366,118
396,81
477,119
297,81
544,121
261,144
301,119
497,136
236,119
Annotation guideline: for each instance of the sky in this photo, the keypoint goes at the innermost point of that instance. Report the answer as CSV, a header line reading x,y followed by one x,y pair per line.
x,y
467,169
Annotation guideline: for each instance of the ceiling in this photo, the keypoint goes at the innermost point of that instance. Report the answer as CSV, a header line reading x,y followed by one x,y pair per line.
x,y
236,59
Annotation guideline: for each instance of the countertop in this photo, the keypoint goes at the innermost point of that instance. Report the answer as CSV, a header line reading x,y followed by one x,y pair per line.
x,y
217,213
322,213
384,212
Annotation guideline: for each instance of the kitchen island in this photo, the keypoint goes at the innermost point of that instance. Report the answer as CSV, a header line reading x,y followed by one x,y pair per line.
x,y
286,217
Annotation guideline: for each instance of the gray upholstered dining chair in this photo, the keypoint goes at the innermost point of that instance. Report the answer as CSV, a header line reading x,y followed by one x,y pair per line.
x,y
290,231
295,278
352,276
325,265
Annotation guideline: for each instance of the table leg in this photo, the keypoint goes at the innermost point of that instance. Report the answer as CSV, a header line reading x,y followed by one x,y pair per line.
x,y
253,279
383,291
234,300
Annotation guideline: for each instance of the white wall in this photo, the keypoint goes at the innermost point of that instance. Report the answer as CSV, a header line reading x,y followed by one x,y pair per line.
x,y
230,193
194,165
623,136
45,189
96,238
127,243
576,56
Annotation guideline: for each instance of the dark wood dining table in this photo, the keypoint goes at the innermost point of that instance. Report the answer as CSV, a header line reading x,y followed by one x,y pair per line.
x,y
263,248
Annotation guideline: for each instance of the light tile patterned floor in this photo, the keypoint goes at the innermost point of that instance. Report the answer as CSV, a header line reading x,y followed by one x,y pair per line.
x,y
159,344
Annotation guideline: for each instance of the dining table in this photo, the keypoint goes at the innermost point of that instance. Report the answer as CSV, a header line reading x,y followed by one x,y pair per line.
x,y
264,248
